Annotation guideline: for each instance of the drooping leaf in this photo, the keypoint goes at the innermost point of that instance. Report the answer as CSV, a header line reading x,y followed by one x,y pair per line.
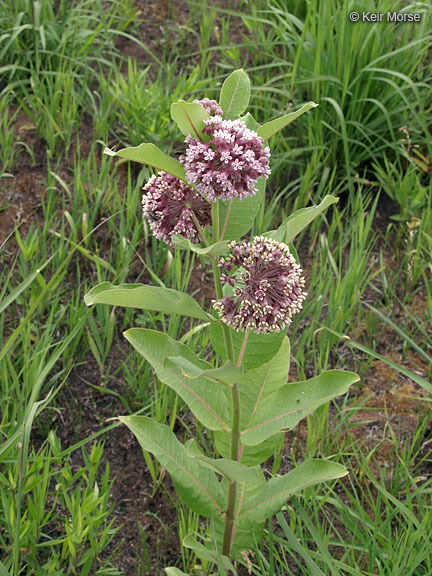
x,y
269,129
260,348
269,500
206,400
146,297
189,117
283,409
298,221
150,155
235,94
216,249
236,217
228,373
231,470
210,555
199,488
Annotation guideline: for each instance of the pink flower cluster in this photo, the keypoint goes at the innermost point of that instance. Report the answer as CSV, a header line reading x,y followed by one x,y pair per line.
x,y
229,164
211,106
169,206
267,286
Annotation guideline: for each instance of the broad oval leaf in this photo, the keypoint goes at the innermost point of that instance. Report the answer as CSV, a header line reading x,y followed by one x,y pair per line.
x,y
260,348
250,122
296,222
235,94
250,455
216,249
150,155
283,409
199,488
205,399
269,129
231,470
257,386
189,117
236,217
269,500
228,373
146,297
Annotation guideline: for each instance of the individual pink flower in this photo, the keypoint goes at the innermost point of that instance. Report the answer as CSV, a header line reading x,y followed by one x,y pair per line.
x,y
211,106
267,286
169,205
229,164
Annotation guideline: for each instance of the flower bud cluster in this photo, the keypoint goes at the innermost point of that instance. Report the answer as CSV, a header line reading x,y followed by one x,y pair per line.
x,y
211,106
229,164
169,205
267,286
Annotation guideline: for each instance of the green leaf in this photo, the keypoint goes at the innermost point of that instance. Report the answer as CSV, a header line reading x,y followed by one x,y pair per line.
x,y
146,297
199,488
173,571
231,470
405,371
260,348
295,223
283,409
228,373
204,553
269,500
207,401
257,385
250,122
213,250
271,128
235,94
250,455
243,538
236,217
151,155
189,117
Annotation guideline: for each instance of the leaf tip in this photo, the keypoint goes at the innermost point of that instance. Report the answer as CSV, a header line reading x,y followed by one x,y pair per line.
x,y
109,152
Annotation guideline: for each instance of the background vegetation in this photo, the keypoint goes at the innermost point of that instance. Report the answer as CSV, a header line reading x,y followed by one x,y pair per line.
x,y
75,76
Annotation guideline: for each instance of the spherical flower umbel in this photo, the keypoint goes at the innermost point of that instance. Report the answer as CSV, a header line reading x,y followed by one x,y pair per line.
x,y
229,164
168,206
211,106
267,286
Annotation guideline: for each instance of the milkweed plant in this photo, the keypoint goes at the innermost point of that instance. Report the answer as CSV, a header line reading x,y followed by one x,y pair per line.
x,y
206,202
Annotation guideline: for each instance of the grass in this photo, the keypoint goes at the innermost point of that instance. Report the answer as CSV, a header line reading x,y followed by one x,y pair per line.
x,y
368,142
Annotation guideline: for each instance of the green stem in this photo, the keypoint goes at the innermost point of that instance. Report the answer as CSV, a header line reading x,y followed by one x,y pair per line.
x,y
229,346
232,490
199,229
235,395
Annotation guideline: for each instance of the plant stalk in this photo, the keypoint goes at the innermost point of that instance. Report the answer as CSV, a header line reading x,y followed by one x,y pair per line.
x,y
235,396
232,490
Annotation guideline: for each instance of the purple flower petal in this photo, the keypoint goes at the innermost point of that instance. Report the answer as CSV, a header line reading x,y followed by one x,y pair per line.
x,y
168,206
267,286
